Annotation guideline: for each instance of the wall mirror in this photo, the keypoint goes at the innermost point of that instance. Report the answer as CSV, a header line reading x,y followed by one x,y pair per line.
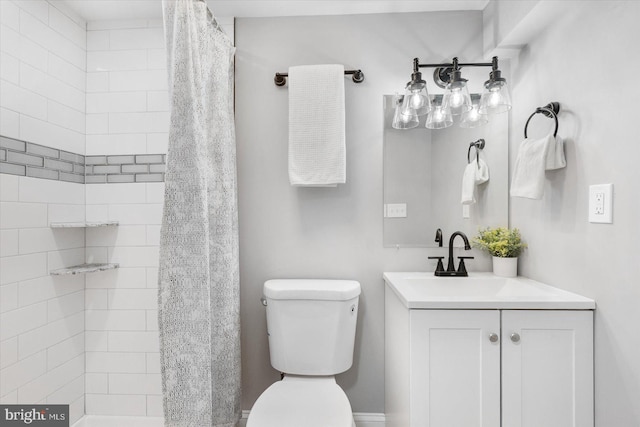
x,y
423,172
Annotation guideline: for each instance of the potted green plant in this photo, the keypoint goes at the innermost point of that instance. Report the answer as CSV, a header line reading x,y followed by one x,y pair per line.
x,y
504,245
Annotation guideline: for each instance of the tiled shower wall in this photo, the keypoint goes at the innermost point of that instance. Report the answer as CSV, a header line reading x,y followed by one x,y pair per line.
x,y
42,88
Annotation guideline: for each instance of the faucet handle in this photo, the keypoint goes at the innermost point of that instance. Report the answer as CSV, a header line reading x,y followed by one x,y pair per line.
x,y
462,269
440,266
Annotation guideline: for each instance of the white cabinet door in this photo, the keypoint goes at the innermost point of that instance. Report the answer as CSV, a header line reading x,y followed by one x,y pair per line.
x,y
547,368
455,368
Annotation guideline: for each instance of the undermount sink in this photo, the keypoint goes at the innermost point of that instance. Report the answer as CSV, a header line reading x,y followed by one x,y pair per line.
x,y
481,291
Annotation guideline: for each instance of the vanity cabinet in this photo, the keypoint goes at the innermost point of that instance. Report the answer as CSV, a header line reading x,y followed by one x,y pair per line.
x,y
487,367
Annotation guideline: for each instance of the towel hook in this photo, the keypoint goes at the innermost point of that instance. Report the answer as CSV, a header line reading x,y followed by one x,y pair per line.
x,y
479,145
550,110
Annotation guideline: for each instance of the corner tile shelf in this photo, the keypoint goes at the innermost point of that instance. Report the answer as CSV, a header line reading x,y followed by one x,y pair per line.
x,y
83,224
83,269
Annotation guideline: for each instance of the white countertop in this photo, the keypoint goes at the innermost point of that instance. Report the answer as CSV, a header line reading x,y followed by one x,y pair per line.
x,y
481,291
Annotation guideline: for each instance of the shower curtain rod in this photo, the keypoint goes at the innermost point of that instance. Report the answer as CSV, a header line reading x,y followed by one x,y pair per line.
x,y
358,77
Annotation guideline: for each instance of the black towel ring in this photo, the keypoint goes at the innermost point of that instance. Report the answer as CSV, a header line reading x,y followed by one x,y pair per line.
x,y
550,110
479,145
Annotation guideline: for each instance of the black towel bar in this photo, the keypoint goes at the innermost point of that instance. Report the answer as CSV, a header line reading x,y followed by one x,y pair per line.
x,y
358,77
550,110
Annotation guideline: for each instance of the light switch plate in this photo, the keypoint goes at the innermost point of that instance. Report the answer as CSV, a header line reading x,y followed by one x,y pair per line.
x,y
601,203
396,210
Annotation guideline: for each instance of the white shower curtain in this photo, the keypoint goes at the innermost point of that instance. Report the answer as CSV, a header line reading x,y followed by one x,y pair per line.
x,y
199,317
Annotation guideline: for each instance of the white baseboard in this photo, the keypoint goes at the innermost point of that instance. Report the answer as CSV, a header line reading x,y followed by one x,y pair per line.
x,y
362,419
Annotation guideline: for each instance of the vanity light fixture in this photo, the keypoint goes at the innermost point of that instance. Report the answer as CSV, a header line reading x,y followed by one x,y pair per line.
x,y
456,101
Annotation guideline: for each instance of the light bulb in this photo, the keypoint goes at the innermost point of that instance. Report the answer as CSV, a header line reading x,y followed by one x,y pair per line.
x,y
457,99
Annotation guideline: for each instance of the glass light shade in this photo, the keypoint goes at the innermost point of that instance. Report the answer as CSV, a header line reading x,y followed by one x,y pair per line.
x,y
473,118
457,98
439,118
495,98
416,100
402,120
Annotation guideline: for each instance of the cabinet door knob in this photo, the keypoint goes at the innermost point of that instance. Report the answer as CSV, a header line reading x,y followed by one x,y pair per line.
x,y
515,337
493,337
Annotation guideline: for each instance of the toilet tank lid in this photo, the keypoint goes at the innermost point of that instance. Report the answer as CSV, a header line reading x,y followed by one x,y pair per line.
x,y
311,289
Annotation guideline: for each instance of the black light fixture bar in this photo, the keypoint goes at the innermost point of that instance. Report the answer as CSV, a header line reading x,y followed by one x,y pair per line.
x,y
358,77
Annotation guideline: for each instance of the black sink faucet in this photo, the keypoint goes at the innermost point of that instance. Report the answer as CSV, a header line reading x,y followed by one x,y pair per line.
x,y
451,269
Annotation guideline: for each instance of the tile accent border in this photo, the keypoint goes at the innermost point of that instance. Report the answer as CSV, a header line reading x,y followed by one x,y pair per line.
x,y
24,158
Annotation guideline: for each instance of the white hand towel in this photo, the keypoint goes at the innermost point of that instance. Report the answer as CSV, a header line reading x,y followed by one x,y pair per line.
x,y
555,155
317,152
528,172
476,173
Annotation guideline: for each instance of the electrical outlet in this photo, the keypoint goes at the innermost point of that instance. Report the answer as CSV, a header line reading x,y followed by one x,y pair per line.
x,y
601,203
396,210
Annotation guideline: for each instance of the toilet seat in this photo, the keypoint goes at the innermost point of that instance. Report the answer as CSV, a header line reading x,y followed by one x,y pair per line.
x,y
302,401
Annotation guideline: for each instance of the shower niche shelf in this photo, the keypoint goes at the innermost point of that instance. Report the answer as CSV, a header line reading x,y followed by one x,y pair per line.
x,y
83,269
86,224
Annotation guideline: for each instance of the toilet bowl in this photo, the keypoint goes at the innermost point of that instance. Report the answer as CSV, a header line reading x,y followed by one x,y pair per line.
x,y
302,402
311,330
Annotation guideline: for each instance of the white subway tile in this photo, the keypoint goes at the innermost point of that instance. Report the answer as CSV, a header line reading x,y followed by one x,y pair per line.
x,y
10,40
65,258
134,342
50,334
135,384
42,132
96,383
98,361
68,73
9,68
134,256
136,214
32,53
64,25
23,215
129,122
8,297
70,13
152,318
12,397
66,117
155,23
8,352
51,381
76,410
154,406
47,191
97,124
152,277
116,102
48,287
69,392
22,372
23,101
158,101
133,299
97,40
22,320
37,9
96,255
135,143
114,24
116,60
120,81
157,143
97,213
124,235
64,306
122,405
65,350
10,15
155,192
153,363
9,186
96,299
9,123
115,320
50,239
66,213
22,267
97,82
156,59
98,194
137,38
131,278
9,242
153,235
96,340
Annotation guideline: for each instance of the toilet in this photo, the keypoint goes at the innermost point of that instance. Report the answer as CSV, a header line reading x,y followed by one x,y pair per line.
x,y
311,325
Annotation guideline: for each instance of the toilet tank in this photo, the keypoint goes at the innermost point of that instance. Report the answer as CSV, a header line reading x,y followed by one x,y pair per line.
x,y
311,325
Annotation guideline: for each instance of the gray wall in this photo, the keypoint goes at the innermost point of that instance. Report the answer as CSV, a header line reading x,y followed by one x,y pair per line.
x,y
290,232
585,60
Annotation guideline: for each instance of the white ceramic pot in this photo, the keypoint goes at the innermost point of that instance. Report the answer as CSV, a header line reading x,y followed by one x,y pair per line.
x,y
505,267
